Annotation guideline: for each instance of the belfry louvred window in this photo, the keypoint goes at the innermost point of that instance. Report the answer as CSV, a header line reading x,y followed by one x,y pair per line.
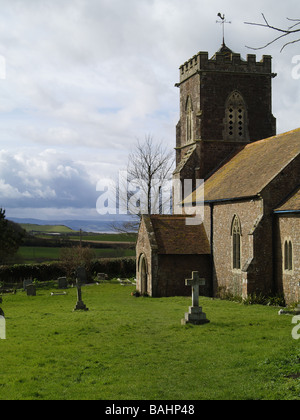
x,y
236,118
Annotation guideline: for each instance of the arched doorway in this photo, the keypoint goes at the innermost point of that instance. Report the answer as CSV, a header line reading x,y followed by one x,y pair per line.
x,y
143,275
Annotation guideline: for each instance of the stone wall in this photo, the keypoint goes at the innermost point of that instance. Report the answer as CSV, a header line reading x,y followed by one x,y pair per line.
x,y
174,269
288,281
227,279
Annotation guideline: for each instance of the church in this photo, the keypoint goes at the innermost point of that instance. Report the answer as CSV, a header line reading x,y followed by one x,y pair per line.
x,y
249,238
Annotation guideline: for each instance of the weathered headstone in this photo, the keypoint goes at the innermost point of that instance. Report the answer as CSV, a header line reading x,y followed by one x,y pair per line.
x,y
58,294
2,326
195,315
31,290
102,276
81,275
26,282
62,283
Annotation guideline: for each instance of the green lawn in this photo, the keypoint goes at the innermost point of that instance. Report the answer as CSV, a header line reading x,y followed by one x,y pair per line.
x,y
136,348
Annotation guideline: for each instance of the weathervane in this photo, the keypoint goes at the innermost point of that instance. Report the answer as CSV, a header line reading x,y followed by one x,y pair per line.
x,y
223,21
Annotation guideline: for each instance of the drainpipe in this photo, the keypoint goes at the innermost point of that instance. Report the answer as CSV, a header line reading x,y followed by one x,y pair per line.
x,y
212,265
274,253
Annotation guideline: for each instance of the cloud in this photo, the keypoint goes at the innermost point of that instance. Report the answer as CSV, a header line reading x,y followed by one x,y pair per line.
x,y
47,179
85,78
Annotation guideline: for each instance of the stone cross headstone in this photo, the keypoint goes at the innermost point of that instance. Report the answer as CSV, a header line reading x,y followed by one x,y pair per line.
x,y
195,314
81,275
31,290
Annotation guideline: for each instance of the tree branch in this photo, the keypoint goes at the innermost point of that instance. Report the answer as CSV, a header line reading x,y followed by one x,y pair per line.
x,y
285,32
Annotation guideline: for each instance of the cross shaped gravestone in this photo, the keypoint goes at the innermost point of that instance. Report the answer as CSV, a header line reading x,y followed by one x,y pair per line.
x,y
81,276
195,282
195,314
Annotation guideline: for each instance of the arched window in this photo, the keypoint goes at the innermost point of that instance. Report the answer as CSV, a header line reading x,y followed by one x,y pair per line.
x,y
236,243
236,124
189,120
288,255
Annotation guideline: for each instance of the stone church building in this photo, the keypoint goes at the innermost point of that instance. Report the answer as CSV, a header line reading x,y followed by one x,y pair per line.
x,y
249,239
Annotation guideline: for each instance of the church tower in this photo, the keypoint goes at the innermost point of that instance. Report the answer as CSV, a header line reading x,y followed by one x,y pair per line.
x,y
225,103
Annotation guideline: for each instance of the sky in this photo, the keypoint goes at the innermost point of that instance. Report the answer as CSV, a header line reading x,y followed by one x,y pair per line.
x,y
82,80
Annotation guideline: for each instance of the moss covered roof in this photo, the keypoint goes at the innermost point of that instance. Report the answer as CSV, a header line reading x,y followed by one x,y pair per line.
x,y
174,236
292,203
248,172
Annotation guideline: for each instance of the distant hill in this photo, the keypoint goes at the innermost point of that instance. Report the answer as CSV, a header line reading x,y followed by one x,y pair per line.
x,y
65,226
29,227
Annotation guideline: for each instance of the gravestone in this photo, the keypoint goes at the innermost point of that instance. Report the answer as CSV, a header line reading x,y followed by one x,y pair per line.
x,y
31,290
62,283
26,282
81,277
102,276
195,315
2,326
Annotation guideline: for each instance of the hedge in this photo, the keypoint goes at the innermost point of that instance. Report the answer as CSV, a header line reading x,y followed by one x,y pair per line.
x,y
113,267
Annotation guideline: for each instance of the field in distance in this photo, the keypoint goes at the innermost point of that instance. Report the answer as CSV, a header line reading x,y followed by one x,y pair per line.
x,y
46,241
29,227
46,231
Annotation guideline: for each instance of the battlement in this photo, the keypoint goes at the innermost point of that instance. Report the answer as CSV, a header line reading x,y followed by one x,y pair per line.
x,y
229,62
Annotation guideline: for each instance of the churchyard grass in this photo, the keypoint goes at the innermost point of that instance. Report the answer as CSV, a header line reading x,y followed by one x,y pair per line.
x,y
136,348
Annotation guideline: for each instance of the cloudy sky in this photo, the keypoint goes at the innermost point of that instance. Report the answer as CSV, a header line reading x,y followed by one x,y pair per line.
x,y
82,80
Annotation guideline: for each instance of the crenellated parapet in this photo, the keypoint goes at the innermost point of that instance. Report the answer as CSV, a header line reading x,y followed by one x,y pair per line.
x,y
226,62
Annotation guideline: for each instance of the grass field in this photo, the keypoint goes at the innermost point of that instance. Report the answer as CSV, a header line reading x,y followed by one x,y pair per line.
x,y
136,348
46,228
33,254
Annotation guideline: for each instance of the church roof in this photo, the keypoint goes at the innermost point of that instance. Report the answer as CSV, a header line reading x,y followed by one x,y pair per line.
x,y
248,172
174,236
226,51
291,204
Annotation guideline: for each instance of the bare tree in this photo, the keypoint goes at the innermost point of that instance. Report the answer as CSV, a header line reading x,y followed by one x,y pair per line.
x,y
289,31
149,173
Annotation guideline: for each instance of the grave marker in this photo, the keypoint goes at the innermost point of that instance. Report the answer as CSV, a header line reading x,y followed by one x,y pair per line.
x,y
26,282
62,283
81,276
195,315
2,326
31,290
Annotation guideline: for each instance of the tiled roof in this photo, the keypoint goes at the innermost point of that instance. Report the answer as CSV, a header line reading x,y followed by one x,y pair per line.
x,y
292,203
185,158
253,168
174,236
